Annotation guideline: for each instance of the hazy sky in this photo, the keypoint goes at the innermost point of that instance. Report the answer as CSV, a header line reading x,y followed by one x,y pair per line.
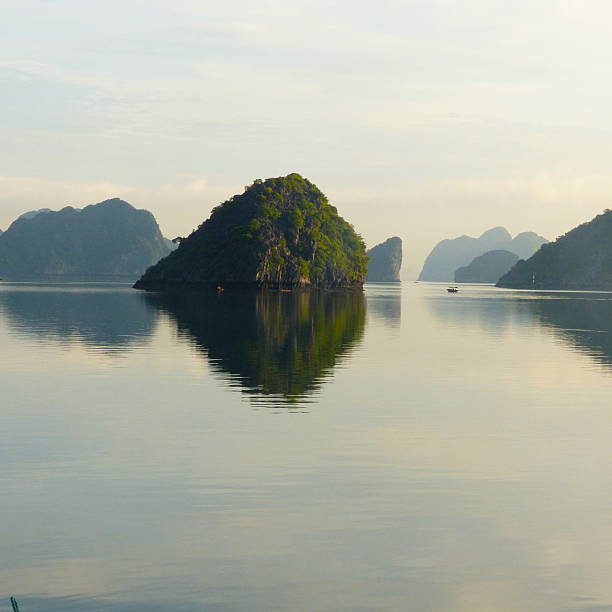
x,y
423,119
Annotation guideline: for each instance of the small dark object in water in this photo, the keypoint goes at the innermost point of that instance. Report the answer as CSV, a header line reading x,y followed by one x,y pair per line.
x,y
14,604
453,289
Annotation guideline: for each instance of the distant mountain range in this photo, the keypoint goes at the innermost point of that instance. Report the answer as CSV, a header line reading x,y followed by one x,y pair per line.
x,y
581,259
111,239
385,261
451,254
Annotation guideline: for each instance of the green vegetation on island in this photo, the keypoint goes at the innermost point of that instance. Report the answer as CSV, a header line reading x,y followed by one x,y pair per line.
x,y
280,233
580,259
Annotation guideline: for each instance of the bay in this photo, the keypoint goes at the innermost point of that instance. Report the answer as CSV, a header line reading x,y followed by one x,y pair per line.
x,y
404,449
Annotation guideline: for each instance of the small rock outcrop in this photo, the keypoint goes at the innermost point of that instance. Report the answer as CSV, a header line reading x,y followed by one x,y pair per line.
x,y
578,260
385,261
487,268
111,239
450,254
281,233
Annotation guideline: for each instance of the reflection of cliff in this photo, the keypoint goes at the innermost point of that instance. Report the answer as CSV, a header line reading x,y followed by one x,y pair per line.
x,y
385,302
110,317
279,344
584,321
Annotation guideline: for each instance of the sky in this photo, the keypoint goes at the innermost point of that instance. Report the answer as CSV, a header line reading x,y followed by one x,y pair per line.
x,y
424,119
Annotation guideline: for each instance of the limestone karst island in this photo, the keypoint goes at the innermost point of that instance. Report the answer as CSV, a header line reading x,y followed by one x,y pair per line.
x,y
281,233
581,259
385,261
109,240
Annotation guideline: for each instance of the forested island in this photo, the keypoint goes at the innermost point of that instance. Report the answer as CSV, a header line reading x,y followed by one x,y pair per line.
x,y
580,259
281,233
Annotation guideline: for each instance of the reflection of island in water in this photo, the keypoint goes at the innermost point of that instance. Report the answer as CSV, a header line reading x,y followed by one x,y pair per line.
x,y
276,344
385,302
581,320
584,321
106,318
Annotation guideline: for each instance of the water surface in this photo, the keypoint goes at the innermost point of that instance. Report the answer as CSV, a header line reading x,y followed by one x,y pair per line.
x,y
404,449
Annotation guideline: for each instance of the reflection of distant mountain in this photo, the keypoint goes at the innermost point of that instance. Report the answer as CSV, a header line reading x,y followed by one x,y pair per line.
x,y
280,344
492,314
385,302
584,321
102,317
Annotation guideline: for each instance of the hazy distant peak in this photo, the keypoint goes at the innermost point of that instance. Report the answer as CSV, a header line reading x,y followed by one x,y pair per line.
x,y
115,202
528,235
450,254
526,244
111,204
33,213
496,233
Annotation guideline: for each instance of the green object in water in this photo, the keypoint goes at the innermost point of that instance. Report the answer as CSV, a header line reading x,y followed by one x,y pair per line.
x,y
14,604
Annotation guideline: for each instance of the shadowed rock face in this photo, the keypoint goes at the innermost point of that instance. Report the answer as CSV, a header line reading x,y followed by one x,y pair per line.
x,y
282,344
385,262
449,255
105,240
280,233
487,268
581,259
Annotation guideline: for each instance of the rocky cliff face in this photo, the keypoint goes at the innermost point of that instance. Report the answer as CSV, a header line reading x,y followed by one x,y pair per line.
x,y
280,233
109,239
451,254
385,262
487,268
581,259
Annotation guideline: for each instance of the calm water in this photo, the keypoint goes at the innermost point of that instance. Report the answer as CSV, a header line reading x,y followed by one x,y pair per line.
x,y
399,450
